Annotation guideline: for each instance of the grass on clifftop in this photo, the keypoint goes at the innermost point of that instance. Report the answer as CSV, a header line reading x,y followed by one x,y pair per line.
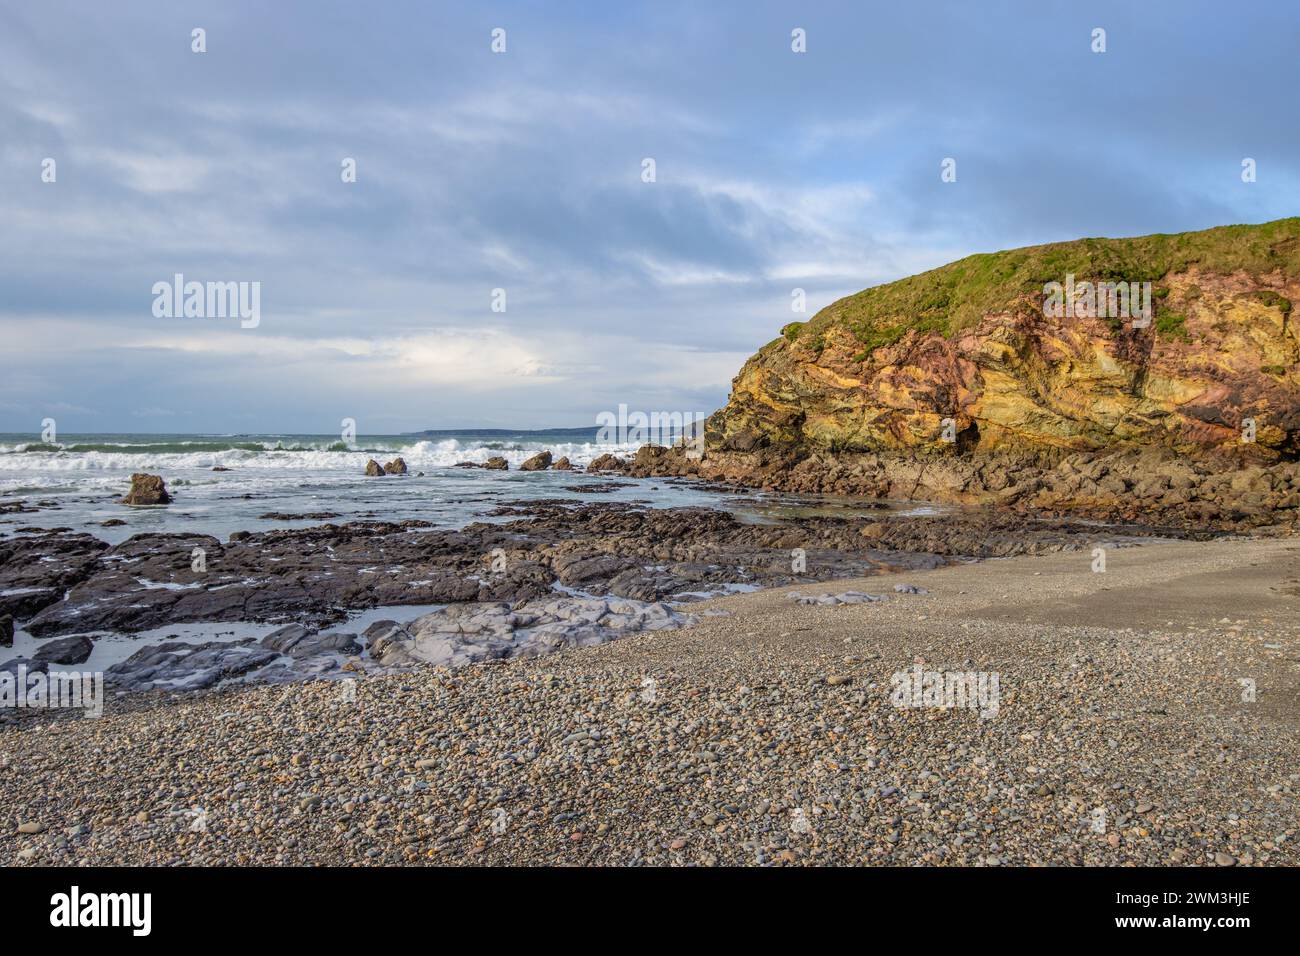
x,y
957,295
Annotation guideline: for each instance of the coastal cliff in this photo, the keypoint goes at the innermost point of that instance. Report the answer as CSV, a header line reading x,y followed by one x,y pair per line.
x,y
1172,381
973,342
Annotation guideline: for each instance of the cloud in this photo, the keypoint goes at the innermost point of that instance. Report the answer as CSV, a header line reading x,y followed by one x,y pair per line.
x,y
522,171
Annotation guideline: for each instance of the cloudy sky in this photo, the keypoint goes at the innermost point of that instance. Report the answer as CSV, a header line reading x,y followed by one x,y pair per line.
x,y
522,171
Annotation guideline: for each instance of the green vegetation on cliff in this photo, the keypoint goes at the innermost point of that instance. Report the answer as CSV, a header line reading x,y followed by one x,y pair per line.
x,y
957,295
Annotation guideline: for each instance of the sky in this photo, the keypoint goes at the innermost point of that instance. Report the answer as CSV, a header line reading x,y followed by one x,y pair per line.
x,y
523,171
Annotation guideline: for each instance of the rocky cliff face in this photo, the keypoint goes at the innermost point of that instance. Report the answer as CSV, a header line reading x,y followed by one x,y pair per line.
x,y
969,383
972,343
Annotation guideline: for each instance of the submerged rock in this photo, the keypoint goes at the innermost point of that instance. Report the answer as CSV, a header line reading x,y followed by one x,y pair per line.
x,y
147,490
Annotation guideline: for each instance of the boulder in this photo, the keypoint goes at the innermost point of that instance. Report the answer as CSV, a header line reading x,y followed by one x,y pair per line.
x,y
395,467
65,650
374,469
7,631
539,462
496,463
649,454
607,462
147,490
11,667
563,465
299,642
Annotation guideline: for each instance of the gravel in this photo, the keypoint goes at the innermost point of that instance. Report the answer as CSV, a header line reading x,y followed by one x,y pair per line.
x,y
764,737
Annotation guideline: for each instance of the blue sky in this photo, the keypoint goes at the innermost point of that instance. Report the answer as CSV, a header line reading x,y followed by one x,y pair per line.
x,y
522,171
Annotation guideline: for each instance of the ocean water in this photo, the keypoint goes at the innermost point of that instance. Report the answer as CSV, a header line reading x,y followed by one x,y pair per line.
x,y
84,476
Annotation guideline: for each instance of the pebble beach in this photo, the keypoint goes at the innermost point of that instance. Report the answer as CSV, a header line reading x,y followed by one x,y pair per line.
x,y
763,734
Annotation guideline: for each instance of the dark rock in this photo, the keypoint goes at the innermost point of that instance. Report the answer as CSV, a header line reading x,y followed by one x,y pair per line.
x,y
285,638
176,665
379,629
33,667
300,642
580,568
563,465
303,516
6,630
65,650
607,462
327,644
496,463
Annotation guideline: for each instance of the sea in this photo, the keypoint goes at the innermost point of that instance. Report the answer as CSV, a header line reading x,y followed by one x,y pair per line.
x,y
78,481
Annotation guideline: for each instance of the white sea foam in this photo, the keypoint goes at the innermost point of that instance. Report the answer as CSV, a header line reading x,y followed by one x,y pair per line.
x,y
442,453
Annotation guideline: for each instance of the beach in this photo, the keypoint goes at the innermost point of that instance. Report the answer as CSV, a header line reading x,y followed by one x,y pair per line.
x,y
762,734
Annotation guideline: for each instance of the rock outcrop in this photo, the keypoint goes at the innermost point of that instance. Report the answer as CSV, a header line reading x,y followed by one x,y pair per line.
x,y
973,356
468,633
147,490
539,462
974,382
496,463
395,467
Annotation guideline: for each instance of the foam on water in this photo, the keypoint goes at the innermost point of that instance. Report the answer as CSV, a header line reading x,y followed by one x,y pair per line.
x,y
78,483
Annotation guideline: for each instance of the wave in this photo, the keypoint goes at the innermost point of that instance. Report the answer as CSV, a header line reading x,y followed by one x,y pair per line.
x,y
326,456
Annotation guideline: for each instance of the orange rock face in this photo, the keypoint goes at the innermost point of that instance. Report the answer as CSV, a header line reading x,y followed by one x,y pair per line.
x,y
1217,366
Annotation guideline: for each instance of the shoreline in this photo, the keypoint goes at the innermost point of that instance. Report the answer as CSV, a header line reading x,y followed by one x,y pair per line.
x,y
774,708
538,574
